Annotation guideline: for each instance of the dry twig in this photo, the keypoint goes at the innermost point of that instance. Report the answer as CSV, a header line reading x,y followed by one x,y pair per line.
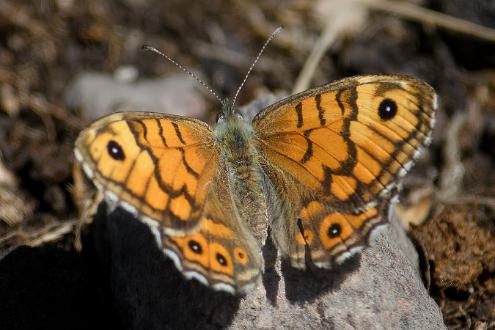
x,y
427,16
345,18
452,174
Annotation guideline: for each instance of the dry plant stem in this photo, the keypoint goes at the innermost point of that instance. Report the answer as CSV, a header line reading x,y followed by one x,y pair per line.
x,y
7,237
334,28
468,199
327,38
55,233
88,209
346,19
428,16
452,175
47,234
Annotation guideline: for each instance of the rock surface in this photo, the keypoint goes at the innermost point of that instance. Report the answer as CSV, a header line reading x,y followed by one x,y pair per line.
x,y
174,94
379,289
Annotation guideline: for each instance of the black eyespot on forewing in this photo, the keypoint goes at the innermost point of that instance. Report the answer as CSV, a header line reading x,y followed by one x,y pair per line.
x,y
221,259
387,109
115,150
195,247
334,230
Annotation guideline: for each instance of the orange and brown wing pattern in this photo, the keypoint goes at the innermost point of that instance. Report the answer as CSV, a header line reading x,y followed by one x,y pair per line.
x,y
349,142
305,227
334,236
330,237
222,254
157,166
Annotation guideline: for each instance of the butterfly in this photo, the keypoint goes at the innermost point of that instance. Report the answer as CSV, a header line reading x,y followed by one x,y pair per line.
x,y
315,168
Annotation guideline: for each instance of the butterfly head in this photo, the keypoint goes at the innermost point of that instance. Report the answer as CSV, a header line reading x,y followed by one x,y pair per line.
x,y
233,132
228,112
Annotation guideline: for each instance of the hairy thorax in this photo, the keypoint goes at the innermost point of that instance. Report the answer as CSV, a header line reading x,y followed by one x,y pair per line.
x,y
245,179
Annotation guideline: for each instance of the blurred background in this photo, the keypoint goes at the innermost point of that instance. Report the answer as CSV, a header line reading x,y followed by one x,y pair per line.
x,y
64,63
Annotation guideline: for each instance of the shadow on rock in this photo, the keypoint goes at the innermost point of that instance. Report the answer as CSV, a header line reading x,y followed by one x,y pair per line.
x,y
146,288
307,285
271,278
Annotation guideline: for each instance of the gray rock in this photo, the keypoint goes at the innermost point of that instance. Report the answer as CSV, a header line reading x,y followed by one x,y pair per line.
x,y
98,94
379,289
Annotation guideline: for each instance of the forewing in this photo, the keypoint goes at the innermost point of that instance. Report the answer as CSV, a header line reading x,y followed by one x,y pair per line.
x,y
334,154
351,141
156,166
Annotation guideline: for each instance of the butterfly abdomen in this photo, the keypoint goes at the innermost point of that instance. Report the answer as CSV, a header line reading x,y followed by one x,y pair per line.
x,y
239,157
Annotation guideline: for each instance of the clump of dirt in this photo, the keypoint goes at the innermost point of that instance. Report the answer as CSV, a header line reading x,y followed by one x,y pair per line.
x,y
459,248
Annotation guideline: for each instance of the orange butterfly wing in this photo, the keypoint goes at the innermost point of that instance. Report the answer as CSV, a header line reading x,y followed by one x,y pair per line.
x,y
223,253
165,170
343,146
334,140
158,166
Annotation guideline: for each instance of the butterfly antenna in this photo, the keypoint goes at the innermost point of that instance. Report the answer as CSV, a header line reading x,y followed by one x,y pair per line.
x,y
180,66
274,33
